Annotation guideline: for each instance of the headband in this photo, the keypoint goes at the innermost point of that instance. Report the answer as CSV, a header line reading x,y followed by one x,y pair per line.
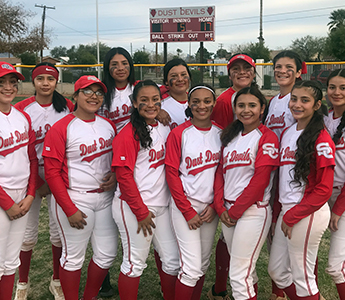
x,y
202,87
45,70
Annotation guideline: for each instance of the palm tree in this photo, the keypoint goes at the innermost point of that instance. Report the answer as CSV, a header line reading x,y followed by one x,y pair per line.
x,y
337,18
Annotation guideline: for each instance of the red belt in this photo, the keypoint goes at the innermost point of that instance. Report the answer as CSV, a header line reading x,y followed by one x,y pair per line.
x,y
96,191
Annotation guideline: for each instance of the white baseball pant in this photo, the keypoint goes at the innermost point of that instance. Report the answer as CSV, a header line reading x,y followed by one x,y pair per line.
x,y
293,261
136,246
244,242
195,246
11,235
100,229
336,255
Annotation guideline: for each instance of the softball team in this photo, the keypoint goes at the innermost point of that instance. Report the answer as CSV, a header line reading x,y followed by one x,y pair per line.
x,y
242,188
45,108
141,203
335,123
77,157
193,151
305,184
18,175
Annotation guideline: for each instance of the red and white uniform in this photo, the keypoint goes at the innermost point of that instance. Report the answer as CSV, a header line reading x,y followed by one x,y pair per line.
x,y
120,108
305,209
279,115
77,155
336,258
223,112
142,188
18,175
176,110
242,187
191,161
42,117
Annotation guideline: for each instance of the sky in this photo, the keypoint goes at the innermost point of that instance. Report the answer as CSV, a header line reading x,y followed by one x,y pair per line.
x,y
125,23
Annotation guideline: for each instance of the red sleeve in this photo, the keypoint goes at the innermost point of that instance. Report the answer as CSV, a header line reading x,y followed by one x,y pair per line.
x,y
252,193
339,205
313,201
218,188
6,201
130,192
222,113
176,190
172,164
52,170
32,184
70,105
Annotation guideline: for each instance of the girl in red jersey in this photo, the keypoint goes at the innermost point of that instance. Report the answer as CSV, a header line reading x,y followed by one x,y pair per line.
x,y
45,108
193,151
18,174
242,188
141,204
335,123
241,71
305,184
77,156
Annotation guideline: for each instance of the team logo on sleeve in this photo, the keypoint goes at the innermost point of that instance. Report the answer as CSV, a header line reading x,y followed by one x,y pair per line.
x,y
269,149
325,150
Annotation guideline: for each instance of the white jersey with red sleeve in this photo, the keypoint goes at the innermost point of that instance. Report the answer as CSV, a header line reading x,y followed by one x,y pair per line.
x,y
176,110
195,152
243,155
120,108
290,193
42,117
147,165
15,135
279,115
84,148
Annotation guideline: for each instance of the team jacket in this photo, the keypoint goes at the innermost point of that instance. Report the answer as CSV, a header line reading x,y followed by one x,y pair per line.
x,y
339,170
223,111
120,109
77,155
176,110
244,175
305,199
140,172
18,159
279,115
191,161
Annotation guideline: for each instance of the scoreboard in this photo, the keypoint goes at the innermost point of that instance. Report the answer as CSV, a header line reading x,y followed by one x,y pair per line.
x,y
182,24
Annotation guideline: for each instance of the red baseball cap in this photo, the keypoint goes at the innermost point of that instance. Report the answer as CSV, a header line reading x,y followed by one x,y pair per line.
x,y
6,68
244,57
87,80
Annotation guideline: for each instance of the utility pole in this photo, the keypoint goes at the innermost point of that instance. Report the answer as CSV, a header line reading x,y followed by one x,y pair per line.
x,y
261,37
42,30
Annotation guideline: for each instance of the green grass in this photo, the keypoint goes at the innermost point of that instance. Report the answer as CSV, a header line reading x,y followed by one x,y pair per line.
x,y
149,289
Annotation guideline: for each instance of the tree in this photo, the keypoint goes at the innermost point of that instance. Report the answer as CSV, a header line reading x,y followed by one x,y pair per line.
x,y
59,51
309,48
337,18
336,43
222,53
141,57
179,52
16,36
28,58
256,50
207,55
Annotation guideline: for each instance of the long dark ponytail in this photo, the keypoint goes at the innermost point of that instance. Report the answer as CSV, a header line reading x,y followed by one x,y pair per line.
x,y
59,101
141,128
306,142
339,132
233,129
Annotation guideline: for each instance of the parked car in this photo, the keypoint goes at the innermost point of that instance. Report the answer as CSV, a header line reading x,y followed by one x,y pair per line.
x,y
321,76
